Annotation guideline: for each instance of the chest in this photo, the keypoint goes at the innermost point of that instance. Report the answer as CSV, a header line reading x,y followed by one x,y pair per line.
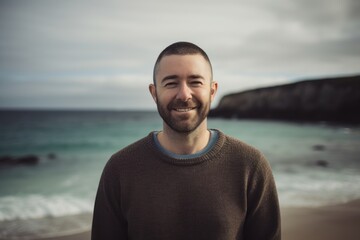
x,y
185,203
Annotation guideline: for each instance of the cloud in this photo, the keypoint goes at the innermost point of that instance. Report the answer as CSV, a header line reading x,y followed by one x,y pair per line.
x,y
80,49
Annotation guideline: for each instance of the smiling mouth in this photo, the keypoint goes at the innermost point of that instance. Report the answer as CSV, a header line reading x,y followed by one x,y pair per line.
x,y
183,109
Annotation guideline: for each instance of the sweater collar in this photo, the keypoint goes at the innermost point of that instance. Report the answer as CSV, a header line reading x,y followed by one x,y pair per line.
x,y
215,144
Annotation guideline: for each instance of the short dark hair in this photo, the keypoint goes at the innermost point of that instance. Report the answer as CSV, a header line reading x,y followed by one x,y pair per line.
x,y
181,48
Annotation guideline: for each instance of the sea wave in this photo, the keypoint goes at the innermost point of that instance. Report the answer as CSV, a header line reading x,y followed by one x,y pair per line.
x,y
44,227
38,206
315,188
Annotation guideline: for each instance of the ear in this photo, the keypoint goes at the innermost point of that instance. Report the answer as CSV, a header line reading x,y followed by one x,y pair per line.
x,y
152,89
213,90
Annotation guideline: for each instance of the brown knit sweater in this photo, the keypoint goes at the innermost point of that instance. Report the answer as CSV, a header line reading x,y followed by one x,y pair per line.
x,y
227,193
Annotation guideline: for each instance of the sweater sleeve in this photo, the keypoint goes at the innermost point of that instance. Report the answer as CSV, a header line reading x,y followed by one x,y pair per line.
x,y
108,221
263,213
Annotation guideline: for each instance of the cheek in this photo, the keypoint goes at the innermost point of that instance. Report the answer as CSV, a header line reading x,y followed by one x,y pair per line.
x,y
164,98
204,95
170,93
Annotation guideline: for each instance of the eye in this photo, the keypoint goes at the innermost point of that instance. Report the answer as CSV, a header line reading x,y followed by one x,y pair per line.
x,y
196,83
170,84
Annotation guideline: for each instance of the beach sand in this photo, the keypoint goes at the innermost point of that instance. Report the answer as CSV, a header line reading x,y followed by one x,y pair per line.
x,y
322,223
330,222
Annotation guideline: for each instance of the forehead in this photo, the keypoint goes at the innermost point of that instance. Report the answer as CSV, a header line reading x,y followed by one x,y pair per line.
x,y
183,64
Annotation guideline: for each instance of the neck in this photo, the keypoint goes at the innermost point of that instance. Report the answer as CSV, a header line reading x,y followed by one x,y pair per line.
x,y
184,143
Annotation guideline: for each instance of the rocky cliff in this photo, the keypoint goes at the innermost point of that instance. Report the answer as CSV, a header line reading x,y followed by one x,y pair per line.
x,y
330,100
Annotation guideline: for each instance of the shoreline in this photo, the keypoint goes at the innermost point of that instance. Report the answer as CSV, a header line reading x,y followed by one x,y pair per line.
x,y
86,235
333,222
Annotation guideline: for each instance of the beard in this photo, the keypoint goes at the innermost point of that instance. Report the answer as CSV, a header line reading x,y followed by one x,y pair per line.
x,y
184,124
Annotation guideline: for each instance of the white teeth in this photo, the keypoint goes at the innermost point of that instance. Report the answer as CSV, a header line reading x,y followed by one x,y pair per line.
x,y
183,109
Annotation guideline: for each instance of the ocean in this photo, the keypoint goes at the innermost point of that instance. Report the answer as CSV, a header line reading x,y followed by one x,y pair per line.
x,y
313,164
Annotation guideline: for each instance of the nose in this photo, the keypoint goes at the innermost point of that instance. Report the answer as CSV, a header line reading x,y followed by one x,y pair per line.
x,y
184,93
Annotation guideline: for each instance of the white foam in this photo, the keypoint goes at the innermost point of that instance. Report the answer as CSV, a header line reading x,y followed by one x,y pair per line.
x,y
39,206
317,188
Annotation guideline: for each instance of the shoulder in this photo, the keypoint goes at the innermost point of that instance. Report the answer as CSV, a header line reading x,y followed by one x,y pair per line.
x,y
237,143
130,153
251,162
238,147
134,148
245,153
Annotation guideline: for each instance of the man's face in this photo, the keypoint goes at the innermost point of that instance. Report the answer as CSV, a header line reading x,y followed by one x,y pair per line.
x,y
183,91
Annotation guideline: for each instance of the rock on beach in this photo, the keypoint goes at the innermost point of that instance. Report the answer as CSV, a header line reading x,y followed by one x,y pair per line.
x,y
20,160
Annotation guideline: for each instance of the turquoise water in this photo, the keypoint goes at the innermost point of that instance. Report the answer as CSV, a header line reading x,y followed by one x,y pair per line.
x,y
44,199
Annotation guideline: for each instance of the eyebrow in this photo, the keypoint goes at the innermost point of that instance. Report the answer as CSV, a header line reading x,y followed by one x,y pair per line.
x,y
196,76
174,77
169,77
193,76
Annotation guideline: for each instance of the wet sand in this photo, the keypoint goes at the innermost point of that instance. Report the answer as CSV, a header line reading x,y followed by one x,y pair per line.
x,y
330,222
322,223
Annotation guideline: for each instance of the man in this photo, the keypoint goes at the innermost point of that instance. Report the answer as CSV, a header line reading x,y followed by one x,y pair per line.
x,y
186,181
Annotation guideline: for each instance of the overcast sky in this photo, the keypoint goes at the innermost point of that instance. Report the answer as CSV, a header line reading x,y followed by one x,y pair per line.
x,y
100,54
